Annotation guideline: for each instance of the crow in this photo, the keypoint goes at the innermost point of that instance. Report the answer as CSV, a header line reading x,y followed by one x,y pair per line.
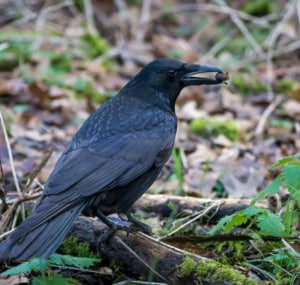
x,y
112,160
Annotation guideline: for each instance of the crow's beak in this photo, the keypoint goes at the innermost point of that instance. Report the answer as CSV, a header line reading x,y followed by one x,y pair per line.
x,y
193,69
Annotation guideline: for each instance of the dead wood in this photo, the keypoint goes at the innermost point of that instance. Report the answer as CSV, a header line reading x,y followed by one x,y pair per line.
x,y
160,204
143,256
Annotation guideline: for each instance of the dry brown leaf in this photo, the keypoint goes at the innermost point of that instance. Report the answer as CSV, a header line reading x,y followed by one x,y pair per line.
x,y
295,93
190,111
14,280
236,188
291,107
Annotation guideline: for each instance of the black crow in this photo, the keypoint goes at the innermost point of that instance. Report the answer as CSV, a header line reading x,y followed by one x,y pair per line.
x,y
112,160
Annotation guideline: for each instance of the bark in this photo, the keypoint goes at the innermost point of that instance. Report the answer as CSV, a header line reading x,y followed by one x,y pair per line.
x,y
144,256
160,204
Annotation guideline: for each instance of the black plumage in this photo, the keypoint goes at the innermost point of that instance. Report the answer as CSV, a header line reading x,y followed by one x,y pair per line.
x,y
111,161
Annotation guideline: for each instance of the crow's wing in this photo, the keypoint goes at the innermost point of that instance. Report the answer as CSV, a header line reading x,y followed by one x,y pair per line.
x,y
87,171
105,164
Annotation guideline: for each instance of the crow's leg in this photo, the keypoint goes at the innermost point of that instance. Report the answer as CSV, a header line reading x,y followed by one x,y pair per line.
x,y
103,239
138,224
113,224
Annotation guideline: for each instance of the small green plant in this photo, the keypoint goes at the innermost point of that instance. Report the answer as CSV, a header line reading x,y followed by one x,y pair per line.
x,y
84,88
257,221
248,86
22,51
207,271
212,127
96,46
17,50
258,7
280,123
43,265
53,279
187,266
284,85
73,246
177,158
168,225
267,222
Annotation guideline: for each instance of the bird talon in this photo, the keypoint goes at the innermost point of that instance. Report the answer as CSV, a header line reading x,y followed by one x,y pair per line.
x,y
138,225
105,237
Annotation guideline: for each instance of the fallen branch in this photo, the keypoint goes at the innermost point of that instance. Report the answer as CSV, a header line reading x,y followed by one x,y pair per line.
x,y
144,256
160,204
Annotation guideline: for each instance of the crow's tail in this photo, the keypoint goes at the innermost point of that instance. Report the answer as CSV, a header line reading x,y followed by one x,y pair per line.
x,y
38,236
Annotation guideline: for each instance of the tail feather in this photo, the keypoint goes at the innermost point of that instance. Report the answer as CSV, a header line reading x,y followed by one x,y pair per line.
x,y
41,241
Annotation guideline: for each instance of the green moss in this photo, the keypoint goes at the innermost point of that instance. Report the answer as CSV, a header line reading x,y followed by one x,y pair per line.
x,y
72,246
281,123
248,86
258,7
220,274
284,85
187,266
85,88
17,50
213,271
79,4
94,44
212,127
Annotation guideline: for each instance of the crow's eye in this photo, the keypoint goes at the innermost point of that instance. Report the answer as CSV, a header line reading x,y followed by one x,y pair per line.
x,y
171,74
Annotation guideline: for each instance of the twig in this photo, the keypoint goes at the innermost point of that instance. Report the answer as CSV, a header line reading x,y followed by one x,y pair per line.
x,y
2,190
139,282
37,170
89,16
122,7
7,233
24,198
217,47
264,22
290,248
144,20
298,13
201,213
271,43
40,22
241,26
6,217
11,161
170,247
139,258
97,272
266,114
276,53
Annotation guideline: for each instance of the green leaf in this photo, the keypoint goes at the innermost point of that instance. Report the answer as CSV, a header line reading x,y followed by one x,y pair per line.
x,y
34,264
80,262
282,162
272,188
229,222
54,279
80,84
220,224
251,211
238,219
270,224
291,176
297,155
296,196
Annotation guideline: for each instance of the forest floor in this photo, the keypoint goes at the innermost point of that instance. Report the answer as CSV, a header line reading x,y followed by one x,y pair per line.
x,y
60,60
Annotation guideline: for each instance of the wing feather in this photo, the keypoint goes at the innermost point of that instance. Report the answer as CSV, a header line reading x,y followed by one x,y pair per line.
x,y
90,170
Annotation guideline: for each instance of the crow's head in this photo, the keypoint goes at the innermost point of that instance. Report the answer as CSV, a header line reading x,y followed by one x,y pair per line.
x,y
167,77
